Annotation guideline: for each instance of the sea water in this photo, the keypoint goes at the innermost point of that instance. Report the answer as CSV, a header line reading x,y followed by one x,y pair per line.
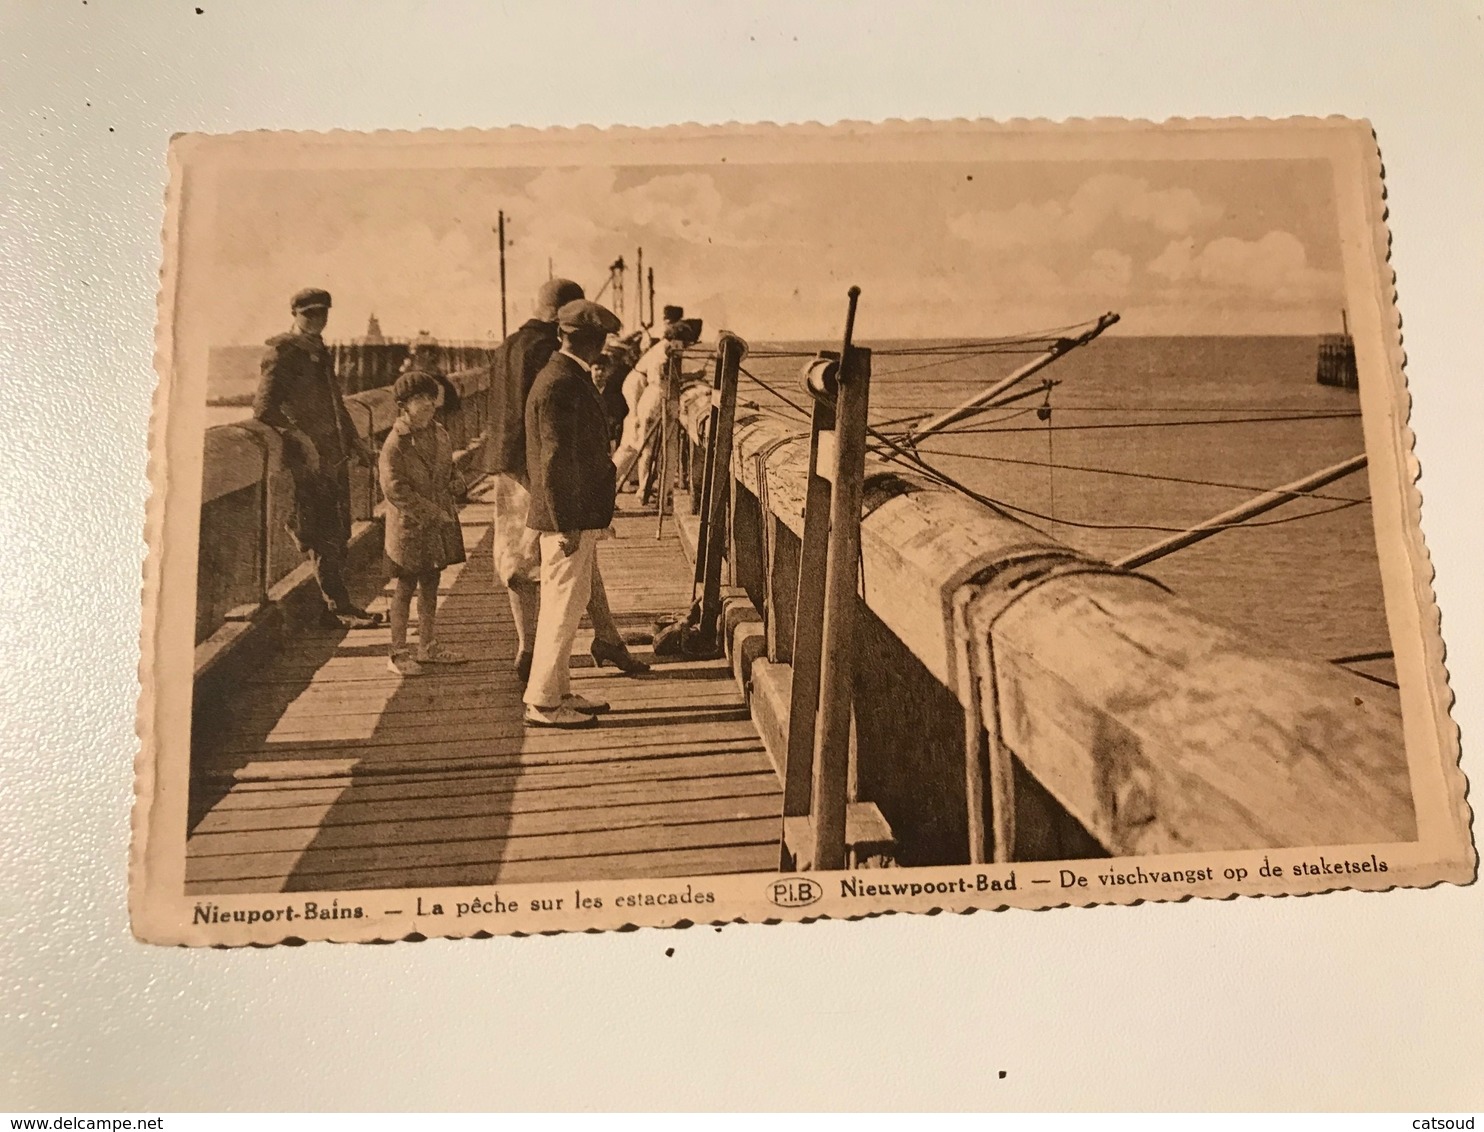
x,y
1150,435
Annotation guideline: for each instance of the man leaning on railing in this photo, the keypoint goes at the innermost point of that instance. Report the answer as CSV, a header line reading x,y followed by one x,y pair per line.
x,y
299,397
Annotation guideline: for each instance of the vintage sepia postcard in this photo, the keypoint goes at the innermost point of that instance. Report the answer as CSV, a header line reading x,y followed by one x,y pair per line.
x,y
573,529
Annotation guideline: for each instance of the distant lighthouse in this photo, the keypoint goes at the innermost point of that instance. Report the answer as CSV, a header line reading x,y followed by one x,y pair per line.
x,y
1337,358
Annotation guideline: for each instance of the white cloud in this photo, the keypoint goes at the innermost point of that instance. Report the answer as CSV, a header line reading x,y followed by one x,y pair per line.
x,y
1109,273
1099,200
1025,225
1275,267
578,216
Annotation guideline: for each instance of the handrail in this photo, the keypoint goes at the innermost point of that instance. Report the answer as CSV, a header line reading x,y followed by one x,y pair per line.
x,y
248,454
1158,729
222,473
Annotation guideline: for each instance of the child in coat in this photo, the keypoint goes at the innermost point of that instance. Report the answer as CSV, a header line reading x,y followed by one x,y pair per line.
x,y
422,522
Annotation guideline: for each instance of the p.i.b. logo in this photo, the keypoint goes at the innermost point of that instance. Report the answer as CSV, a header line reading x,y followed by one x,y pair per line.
x,y
794,892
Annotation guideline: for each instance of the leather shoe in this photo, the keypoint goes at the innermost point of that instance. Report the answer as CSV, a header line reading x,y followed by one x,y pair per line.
x,y
559,716
618,656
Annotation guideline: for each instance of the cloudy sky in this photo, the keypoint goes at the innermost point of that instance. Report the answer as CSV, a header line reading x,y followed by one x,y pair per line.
x,y
1189,247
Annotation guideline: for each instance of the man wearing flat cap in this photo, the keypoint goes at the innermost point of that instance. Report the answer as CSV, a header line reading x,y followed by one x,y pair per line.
x,y
299,397
572,490
517,550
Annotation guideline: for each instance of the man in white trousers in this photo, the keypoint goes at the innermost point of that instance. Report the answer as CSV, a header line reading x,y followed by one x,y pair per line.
x,y
572,491
517,553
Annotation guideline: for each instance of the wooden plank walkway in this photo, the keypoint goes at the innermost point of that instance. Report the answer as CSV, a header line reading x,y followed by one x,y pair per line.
x,y
328,772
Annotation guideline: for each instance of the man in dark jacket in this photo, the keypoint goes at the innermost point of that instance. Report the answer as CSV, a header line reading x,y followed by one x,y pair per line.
x,y
517,550
572,490
300,398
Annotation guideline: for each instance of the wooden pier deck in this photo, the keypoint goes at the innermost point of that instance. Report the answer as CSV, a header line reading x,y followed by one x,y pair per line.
x,y
328,772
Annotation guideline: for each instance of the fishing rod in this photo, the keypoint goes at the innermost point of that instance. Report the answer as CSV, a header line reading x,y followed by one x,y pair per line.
x,y
984,400
1255,506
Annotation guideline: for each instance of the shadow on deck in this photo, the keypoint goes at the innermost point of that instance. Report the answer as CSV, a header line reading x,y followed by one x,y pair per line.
x,y
327,772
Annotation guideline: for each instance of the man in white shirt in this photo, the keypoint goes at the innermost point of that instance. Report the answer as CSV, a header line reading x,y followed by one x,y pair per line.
x,y
644,390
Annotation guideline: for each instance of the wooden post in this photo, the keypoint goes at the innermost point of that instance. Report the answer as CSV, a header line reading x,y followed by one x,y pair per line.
x,y
832,742
703,528
669,455
798,768
730,352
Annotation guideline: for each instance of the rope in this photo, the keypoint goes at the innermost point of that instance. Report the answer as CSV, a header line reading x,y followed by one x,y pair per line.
x,y
914,460
894,421
939,361
901,456
803,412
1181,530
948,481
1131,475
1332,416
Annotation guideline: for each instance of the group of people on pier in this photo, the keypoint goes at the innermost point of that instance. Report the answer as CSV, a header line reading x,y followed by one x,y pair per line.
x,y
571,403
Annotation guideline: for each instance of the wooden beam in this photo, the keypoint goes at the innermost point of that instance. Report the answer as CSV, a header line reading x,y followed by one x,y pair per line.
x,y
1163,732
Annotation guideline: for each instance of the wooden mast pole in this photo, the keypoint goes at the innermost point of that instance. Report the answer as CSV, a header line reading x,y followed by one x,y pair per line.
x,y
504,325
982,400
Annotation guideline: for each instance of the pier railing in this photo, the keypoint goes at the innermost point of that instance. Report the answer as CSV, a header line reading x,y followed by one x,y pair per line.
x,y
1017,699
360,366
246,553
